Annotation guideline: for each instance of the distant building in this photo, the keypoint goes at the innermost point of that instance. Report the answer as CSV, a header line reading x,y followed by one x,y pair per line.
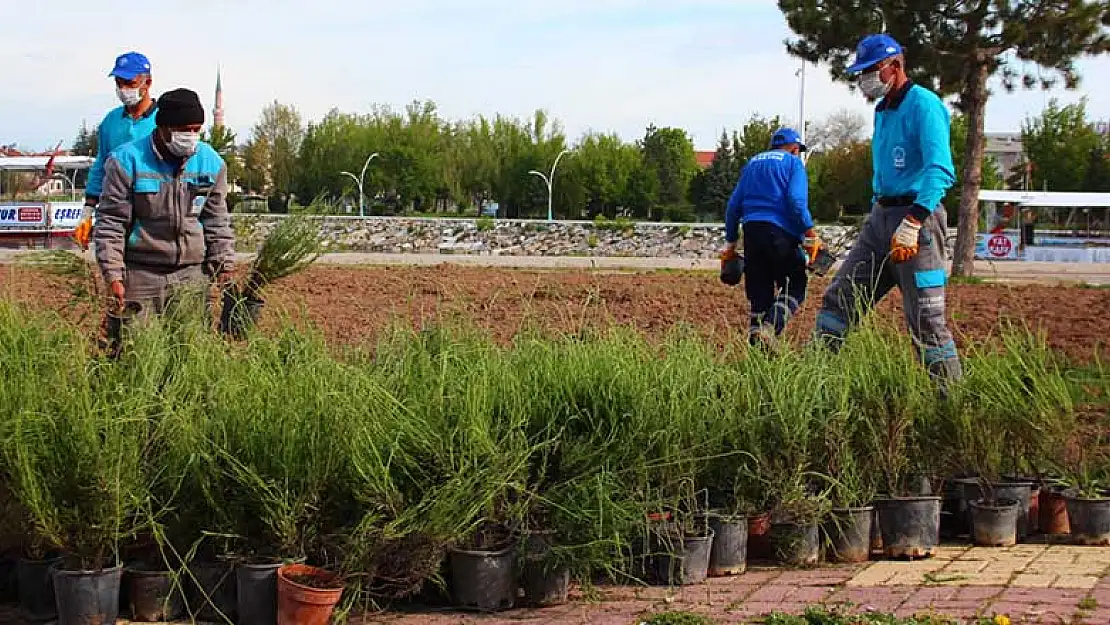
x,y
705,158
1005,149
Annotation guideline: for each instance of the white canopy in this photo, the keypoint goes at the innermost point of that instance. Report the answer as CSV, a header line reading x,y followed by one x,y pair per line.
x,y
1047,199
37,163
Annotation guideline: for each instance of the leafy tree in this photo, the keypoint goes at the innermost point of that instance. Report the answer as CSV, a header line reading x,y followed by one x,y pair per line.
x,y
599,174
955,47
1060,143
713,185
754,137
86,141
670,153
1098,171
222,139
840,181
273,150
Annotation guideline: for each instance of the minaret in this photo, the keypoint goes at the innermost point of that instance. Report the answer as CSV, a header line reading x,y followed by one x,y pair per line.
x,y
218,111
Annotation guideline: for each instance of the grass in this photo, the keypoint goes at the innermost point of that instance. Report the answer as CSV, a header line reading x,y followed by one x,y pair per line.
x,y
376,461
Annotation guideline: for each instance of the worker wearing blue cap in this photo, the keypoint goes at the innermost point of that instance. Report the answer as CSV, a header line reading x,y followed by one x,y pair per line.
x,y
124,124
771,199
902,242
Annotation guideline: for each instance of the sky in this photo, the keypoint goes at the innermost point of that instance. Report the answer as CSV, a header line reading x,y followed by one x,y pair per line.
x,y
600,65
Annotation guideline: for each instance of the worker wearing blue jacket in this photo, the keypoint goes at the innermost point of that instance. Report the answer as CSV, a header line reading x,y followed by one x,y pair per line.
x,y
124,124
902,242
771,199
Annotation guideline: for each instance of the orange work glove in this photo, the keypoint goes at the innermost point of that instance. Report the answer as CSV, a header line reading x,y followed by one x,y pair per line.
x,y
903,245
118,291
811,244
83,232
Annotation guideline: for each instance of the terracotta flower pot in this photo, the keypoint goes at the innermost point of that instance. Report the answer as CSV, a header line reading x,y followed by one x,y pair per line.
x,y
1054,512
307,595
759,537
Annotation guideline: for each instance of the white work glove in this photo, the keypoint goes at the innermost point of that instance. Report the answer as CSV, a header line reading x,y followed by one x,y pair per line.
x,y
903,246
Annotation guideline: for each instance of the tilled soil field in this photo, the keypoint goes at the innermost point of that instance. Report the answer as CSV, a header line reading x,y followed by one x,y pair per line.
x,y
355,304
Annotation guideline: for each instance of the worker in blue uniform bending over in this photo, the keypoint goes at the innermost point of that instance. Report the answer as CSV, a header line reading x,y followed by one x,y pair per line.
x,y
123,124
771,200
902,242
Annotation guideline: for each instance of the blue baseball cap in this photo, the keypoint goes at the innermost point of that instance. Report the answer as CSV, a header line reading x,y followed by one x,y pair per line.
x,y
129,65
872,49
784,136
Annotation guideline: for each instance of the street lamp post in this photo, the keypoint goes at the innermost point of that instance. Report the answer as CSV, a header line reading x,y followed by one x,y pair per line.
x,y
549,180
358,180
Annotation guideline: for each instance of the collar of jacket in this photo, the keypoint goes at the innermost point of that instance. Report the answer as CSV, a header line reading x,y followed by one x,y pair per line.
x,y
893,100
152,109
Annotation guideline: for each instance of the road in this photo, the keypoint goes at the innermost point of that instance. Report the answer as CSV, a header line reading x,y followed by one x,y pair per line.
x,y
999,271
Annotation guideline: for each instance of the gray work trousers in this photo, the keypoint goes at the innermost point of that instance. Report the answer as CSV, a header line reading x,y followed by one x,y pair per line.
x,y
868,274
150,290
153,292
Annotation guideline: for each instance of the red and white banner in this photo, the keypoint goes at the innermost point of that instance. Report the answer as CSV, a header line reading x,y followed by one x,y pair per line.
x,y
997,247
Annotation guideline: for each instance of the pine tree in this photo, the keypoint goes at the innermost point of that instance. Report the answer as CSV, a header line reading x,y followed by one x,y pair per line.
x,y
954,47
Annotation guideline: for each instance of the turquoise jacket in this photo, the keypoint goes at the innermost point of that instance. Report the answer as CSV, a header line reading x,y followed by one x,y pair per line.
x,y
910,151
116,129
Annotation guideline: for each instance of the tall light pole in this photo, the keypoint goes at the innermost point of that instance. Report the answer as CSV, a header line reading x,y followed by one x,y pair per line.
x,y
801,73
358,180
550,180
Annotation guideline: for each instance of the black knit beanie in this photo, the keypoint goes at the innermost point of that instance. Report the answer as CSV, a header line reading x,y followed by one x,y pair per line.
x,y
180,107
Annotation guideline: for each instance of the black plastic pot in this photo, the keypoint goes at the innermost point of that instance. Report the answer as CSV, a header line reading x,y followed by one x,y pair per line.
x,y
35,579
849,534
239,313
994,523
87,597
910,526
544,584
1089,520
966,489
484,580
256,592
687,560
154,596
796,545
876,534
953,511
732,270
1022,493
211,592
9,592
729,553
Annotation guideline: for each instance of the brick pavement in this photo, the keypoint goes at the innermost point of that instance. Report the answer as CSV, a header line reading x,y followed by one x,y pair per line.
x,y
1028,583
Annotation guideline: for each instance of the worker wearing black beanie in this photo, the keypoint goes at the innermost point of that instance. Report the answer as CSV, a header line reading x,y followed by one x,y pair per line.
x,y
179,108
163,230
179,119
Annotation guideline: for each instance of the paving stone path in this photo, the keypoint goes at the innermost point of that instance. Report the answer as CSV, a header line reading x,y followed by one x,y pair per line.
x,y
1027,583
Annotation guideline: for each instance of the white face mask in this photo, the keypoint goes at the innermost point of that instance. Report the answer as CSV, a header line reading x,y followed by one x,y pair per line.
x,y
183,144
872,86
129,97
